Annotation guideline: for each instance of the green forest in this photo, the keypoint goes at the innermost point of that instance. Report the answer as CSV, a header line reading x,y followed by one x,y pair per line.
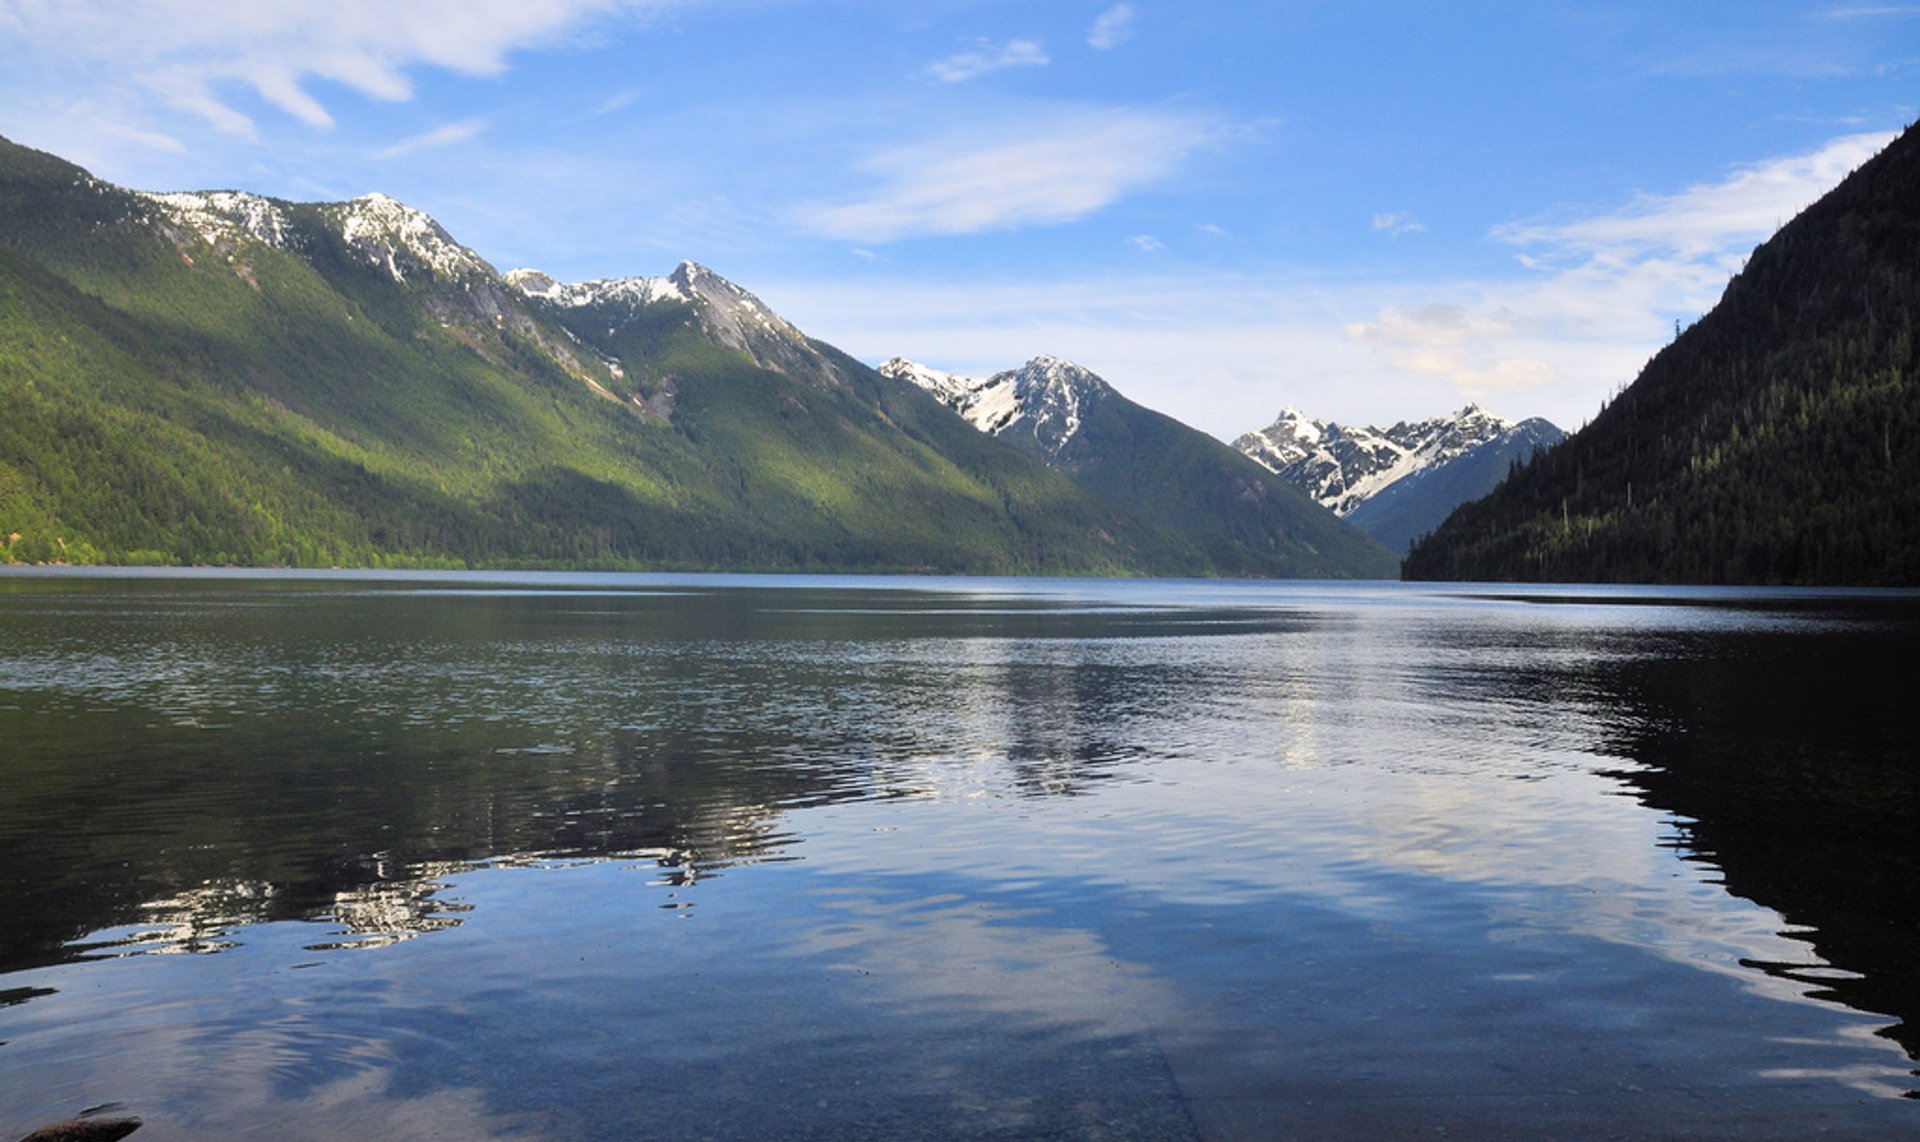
x,y
1775,441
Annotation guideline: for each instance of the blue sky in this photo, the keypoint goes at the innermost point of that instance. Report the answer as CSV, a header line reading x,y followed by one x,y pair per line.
x,y
1370,211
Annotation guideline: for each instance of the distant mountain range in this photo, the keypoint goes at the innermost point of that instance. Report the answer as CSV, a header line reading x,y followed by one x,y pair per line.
x,y
1777,440
1397,483
1168,474
221,378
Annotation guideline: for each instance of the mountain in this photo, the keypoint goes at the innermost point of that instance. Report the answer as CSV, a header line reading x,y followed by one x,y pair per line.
x,y
1397,483
222,378
1777,440
1164,472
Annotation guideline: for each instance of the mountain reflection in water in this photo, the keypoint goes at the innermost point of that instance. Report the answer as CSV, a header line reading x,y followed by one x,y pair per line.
x,y
1272,851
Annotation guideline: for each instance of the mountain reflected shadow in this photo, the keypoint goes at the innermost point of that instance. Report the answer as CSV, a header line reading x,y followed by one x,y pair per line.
x,y
1790,766
189,760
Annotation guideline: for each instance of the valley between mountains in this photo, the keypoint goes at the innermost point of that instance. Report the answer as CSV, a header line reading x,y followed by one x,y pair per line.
x,y
220,378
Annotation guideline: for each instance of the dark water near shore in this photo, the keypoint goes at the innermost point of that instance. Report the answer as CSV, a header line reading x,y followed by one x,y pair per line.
x,y
312,856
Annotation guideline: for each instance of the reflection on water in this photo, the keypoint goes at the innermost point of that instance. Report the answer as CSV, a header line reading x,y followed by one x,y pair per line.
x,y
905,858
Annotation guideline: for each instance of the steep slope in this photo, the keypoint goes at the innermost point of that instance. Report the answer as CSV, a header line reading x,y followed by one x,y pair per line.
x,y
1399,482
223,378
1775,441
1168,474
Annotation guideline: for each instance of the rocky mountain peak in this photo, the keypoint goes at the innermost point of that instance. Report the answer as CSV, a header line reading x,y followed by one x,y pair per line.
x,y
729,312
1046,396
1342,467
387,233
630,292
725,312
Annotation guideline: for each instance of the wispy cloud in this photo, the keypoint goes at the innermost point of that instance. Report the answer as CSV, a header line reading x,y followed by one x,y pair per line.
x,y
1597,294
1146,243
1112,28
619,101
1396,224
1872,12
1813,59
193,57
1059,168
985,58
1452,343
1614,278
445,135
1708,221
1220,351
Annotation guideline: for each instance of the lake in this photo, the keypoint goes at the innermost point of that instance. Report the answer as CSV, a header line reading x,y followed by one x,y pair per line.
x,y
324,855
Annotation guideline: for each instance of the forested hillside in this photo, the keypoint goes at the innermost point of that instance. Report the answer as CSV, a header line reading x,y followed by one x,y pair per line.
x,y
225,379
1777,440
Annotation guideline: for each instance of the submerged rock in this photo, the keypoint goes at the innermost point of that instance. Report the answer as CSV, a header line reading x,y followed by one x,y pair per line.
x,y
85,1129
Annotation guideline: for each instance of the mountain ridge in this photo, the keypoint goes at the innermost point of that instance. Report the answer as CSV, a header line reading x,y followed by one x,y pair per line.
x,y
1400,482
218,377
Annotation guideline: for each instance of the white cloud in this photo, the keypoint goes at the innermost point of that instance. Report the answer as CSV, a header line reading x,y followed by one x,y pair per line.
x,y
1220,351
1055,168
1869,12
1602,285
1146,243
1454,344
987,58
1710,221
445,135
194,57
1397,224
619,101
1223,351
1113,28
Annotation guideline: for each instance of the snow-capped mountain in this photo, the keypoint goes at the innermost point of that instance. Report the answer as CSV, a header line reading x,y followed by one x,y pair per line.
x,y
378,231
227,214
1399,482
728,313
1044,398
1343,467
1145,462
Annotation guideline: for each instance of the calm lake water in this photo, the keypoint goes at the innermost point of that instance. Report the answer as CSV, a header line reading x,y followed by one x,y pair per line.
x,y
574,856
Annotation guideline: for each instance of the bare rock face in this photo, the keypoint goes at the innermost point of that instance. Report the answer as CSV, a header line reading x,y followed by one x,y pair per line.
x,y
1344,466
1045,397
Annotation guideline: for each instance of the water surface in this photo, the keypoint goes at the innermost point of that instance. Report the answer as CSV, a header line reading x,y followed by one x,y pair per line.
x,y
676,856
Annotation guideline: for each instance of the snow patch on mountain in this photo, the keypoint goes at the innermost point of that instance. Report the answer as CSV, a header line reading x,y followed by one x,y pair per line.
x,y
732,314
226,214
729,314
382,232
1047,396
1342,467
634,292
390,234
